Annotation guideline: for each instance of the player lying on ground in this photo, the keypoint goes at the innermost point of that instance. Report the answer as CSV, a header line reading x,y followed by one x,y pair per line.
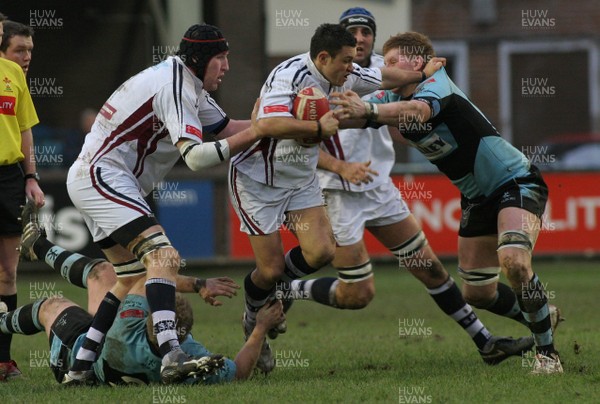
x,y
377,205
503,196
130,352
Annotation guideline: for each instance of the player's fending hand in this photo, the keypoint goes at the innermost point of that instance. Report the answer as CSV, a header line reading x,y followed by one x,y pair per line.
x,y
223,286
352,106
329,125
357,173
434,65
270,315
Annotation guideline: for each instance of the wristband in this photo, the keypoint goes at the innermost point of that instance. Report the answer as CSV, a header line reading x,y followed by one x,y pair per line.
x,y
423,77
33,176
199,283
319,130
375,112
368,110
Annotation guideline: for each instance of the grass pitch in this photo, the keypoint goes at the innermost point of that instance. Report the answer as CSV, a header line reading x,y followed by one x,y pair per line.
x,y
400,349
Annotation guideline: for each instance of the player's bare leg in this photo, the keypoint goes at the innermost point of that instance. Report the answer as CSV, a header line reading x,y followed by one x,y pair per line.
x,y
313,230
43,314
258,286
352,293
33,317
316,249
415,254
478,266
100,280
104,316
518,231
96,275
406,240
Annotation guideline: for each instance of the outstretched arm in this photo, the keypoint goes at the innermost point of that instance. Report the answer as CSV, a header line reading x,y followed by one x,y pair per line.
x,y
392,77
394,113
291,128
209,288
267,317
202,155
233,126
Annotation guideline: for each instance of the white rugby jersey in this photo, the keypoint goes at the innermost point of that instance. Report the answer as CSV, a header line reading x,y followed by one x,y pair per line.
x,y
360,145
284,162
138,126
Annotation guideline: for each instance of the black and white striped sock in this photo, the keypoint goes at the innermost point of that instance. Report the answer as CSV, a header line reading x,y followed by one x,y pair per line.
x,y
103,320
450,300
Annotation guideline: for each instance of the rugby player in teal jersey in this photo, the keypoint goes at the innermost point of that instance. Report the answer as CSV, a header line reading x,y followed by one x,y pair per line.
x,y
130,351
503,196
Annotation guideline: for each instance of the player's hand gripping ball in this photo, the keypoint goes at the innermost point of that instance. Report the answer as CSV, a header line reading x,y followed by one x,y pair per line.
x,y
310,105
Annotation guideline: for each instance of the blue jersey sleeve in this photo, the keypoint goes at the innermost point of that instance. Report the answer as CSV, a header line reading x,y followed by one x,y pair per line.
x,y
435,91
384,97
225,375
193,347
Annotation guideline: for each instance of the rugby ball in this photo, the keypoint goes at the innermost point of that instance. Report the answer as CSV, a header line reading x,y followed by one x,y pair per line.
x,y
310,104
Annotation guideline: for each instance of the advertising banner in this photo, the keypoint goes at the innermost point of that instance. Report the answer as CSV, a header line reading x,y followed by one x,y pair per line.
x,y
570,224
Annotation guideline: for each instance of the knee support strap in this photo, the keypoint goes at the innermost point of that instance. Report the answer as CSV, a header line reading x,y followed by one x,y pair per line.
x,y
129,268
411,246
480,276
355,274
516,239
149,244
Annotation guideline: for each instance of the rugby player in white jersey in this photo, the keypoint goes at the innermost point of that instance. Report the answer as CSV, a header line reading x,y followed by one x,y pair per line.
x,y
274,181
147,124
377,205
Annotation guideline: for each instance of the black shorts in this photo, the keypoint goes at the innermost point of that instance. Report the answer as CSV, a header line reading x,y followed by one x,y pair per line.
x,y
479,217
70,324
12,197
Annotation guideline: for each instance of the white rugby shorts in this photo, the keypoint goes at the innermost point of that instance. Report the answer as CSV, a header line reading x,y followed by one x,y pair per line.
x,y
261,208
108,198
350,212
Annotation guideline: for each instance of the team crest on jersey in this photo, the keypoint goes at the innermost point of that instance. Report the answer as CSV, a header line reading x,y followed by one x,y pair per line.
x,y
192,130
7,86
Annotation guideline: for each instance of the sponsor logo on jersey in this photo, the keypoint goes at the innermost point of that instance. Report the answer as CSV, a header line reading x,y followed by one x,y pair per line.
x,y
434,147
132,313
7,105
192,130
275,108
380,94
107,111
